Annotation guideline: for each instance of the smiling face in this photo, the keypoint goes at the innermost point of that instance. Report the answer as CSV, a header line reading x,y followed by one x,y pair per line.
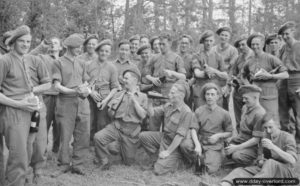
x,y
22,44
175,95
211,96
104,52
257,45
224,36
288,35
145,54
144,41
274,45
165,45
134,46
55,45
130,80
124,51
243,46
155,46
91,45
185,44
250,99
75,51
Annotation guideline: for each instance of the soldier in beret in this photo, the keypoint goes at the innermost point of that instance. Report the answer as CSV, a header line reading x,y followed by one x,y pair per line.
x,y
145,52
229,55
265,70
17,89
89,46
127,109
177,117
154,42
235,75
134,46
273,42
123,62
243,147
208,66
213,126
289,89
144,40
72,111
104,79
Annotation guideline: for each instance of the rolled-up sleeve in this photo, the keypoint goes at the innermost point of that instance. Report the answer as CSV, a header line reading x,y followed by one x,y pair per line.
x,y
258,125
180,65
195,63
43,73
114,82
3,71
186,121
227,124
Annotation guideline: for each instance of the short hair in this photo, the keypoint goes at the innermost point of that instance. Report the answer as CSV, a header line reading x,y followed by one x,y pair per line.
x,y
209,86
133,75
188,37
166,36
143,36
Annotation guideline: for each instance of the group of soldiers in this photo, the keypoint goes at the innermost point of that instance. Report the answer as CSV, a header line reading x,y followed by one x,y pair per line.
x,y
174,105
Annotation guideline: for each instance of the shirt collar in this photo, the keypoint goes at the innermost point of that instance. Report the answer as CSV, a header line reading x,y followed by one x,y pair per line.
x,y
251,108
13,53
126,61
211,109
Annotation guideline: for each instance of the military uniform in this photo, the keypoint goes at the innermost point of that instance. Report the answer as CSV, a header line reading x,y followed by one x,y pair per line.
x,y
87,58
121,67
287,95
209,122
72,112
274,166
125,127
177,122
200,60
269,95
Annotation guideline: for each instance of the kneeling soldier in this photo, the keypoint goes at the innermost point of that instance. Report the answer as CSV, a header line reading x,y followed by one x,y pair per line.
x,y
127,108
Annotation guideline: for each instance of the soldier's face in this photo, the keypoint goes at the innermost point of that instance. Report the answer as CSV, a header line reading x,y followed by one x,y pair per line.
x,y
208,43
185,44
145,54
75,51
104,52
134,45
270,127
144,41
249,99
164,46
274,45
175,95
257,44
224,37
55,44
243,46
288,34
124,51
211,96
22,44
91,45
129,80
156,47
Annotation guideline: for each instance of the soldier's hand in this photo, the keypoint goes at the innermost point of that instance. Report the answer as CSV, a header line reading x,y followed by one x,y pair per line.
x,y
102,104
26,105
164,154
267,143
263,75
169,73
97,97
213,139
231,149
198,150
155,81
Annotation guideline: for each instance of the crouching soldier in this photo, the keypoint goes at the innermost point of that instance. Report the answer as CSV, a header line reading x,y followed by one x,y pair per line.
x,y
278,158
72,112
214,126
127,108
177,117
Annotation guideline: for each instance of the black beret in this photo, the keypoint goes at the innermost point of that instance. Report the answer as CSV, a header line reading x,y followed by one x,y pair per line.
x,y
134,37
153,39
206,34
144,47
135,71
93,36
241,38
18,32
143,36
74,40
249,88
285,26
251,37
225,28
124,41
103,42
187,36
208,86
271,37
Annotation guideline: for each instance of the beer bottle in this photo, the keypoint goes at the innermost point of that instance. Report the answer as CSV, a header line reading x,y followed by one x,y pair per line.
x,y
35,121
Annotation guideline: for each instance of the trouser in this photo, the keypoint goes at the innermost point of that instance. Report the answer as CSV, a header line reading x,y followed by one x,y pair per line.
x,y
2,163
128,143
37,145
237,106
212,156
289,99
152,142
50,103
15,125
99,118
270,169
74,119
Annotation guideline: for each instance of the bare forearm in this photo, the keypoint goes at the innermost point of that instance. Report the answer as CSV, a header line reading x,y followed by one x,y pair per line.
x,y
4,100
175,143
222,75
41,88
284,155
282,75
63,89
111,94
195,138
179,75
224,135
199,74
251,142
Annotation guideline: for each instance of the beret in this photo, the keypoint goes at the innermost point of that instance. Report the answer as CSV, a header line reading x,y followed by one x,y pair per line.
x,y
74,40
251,37
249,88
187,36
225,28
135,71
241,38
124,41
271,37
102,43
93,36
153,39
184,88
134,37
144,47
6,35
285,26
143,36
208,86
18,32
205,35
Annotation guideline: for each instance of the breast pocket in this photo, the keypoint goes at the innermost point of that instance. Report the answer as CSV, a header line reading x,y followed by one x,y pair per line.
x,y
173,123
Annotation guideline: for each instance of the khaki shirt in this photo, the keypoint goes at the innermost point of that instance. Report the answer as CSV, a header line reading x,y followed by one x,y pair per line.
x,y
177,120
86,58
38,72
103,75
187,60
123,66
251,123
70,73
228,53
291,57
210,122
15,80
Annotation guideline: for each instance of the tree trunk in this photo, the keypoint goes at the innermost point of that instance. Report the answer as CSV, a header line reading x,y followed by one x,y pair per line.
x,y
126,22
231,14
250,17
156,15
